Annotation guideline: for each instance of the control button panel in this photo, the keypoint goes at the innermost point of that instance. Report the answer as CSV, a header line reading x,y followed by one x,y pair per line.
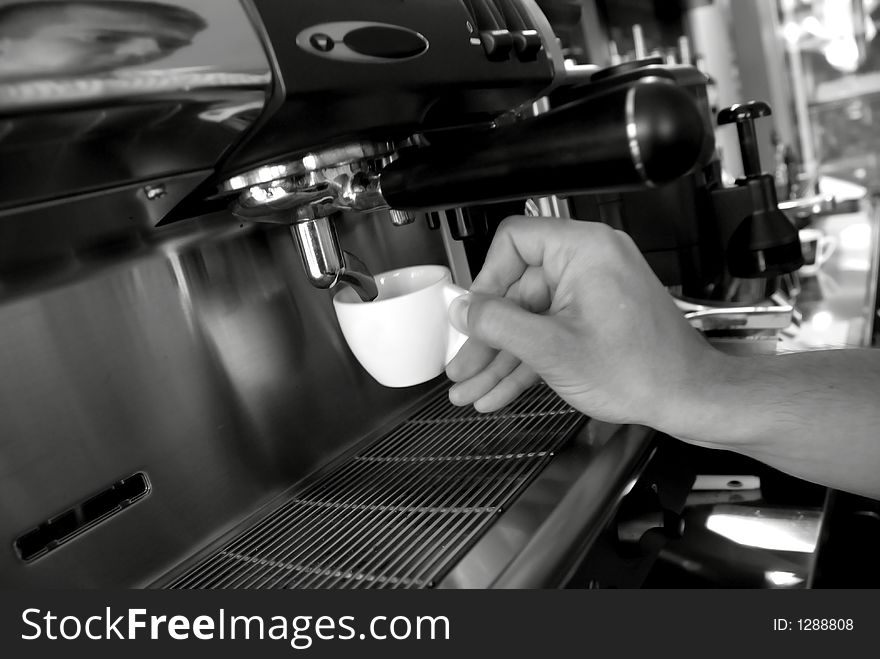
x,y
505,30
362,41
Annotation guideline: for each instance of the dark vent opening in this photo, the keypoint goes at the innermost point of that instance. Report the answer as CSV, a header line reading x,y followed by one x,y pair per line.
x,y
60,528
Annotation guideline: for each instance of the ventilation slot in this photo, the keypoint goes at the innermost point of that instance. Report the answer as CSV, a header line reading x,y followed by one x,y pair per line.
x,y
404,509
57,530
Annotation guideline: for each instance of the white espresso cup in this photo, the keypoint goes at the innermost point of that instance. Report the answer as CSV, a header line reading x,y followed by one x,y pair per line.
x,y
817,248
403,337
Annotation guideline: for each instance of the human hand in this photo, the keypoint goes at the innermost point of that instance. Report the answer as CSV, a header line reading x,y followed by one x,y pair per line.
x,y
574,303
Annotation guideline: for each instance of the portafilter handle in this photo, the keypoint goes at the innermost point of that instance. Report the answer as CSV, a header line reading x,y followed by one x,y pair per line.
x,y
645,134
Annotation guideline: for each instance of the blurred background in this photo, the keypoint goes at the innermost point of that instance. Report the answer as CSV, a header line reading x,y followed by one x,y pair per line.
x,y
817,63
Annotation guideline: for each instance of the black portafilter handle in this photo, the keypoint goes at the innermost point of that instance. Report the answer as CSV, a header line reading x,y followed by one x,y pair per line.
x,y
645,134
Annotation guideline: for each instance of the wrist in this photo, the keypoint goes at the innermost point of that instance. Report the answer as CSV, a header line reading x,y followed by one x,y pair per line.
x,y
712,405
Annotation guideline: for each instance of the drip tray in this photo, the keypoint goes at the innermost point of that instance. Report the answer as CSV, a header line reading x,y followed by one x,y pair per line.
x,y
402,510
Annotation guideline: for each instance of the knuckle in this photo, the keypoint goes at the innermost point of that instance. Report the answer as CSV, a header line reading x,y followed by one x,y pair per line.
x,y
624,241
611,246
509,225
483,318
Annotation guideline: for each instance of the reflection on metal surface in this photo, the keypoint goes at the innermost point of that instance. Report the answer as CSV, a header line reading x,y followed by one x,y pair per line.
x,y
39,93
767,528
67,52
326,158
198,354
539,541
822,321
105,94
816,205
733,317
356,274
839,299
69,39
326,264
307,192
318,184
782,579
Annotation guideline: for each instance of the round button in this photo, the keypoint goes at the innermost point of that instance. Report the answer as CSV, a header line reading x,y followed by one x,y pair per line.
x,y
322,42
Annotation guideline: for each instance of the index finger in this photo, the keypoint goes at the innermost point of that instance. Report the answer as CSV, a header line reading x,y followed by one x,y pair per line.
x,y
519,243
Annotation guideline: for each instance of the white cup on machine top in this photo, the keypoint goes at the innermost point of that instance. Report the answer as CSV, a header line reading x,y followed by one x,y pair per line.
x,y
817,248
403,337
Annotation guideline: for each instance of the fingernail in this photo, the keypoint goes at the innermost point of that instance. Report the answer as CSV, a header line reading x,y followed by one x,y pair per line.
x,y
458,312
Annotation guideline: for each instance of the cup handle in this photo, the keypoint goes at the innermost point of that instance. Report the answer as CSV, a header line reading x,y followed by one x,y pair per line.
x,y
455,339
825,248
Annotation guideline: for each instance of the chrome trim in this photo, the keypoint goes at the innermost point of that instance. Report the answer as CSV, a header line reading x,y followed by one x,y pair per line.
x,y
318,194
872,301
325,262
308,164
356,274
402,218
542,537
752,317
319,248
41,93
338,30
822,203
632,135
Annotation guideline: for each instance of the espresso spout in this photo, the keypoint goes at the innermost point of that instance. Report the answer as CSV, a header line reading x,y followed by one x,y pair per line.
x,y
326,264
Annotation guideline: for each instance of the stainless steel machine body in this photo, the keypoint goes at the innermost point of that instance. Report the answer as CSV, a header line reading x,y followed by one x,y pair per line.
x,y
169,378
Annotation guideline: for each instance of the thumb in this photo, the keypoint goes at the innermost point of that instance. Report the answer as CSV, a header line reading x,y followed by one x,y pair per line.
x,y
502,324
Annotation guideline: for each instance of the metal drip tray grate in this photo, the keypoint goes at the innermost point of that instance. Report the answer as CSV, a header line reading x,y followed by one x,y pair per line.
x,y
402,510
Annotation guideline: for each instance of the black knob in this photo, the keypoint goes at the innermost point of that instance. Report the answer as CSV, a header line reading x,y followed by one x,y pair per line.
x,y
497,44
744,115
744,112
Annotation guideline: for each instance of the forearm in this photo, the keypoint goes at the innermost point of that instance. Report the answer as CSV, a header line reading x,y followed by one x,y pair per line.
x,y
815,415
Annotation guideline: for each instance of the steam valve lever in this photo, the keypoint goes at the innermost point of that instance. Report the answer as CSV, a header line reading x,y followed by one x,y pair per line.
x,y
760,241
526,41
495,37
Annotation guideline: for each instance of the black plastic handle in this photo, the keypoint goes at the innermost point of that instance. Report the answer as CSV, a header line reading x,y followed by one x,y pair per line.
x,y
647,133
744,115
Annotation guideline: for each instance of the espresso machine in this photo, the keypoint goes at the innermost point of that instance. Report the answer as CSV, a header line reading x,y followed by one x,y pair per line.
x,y
179,191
